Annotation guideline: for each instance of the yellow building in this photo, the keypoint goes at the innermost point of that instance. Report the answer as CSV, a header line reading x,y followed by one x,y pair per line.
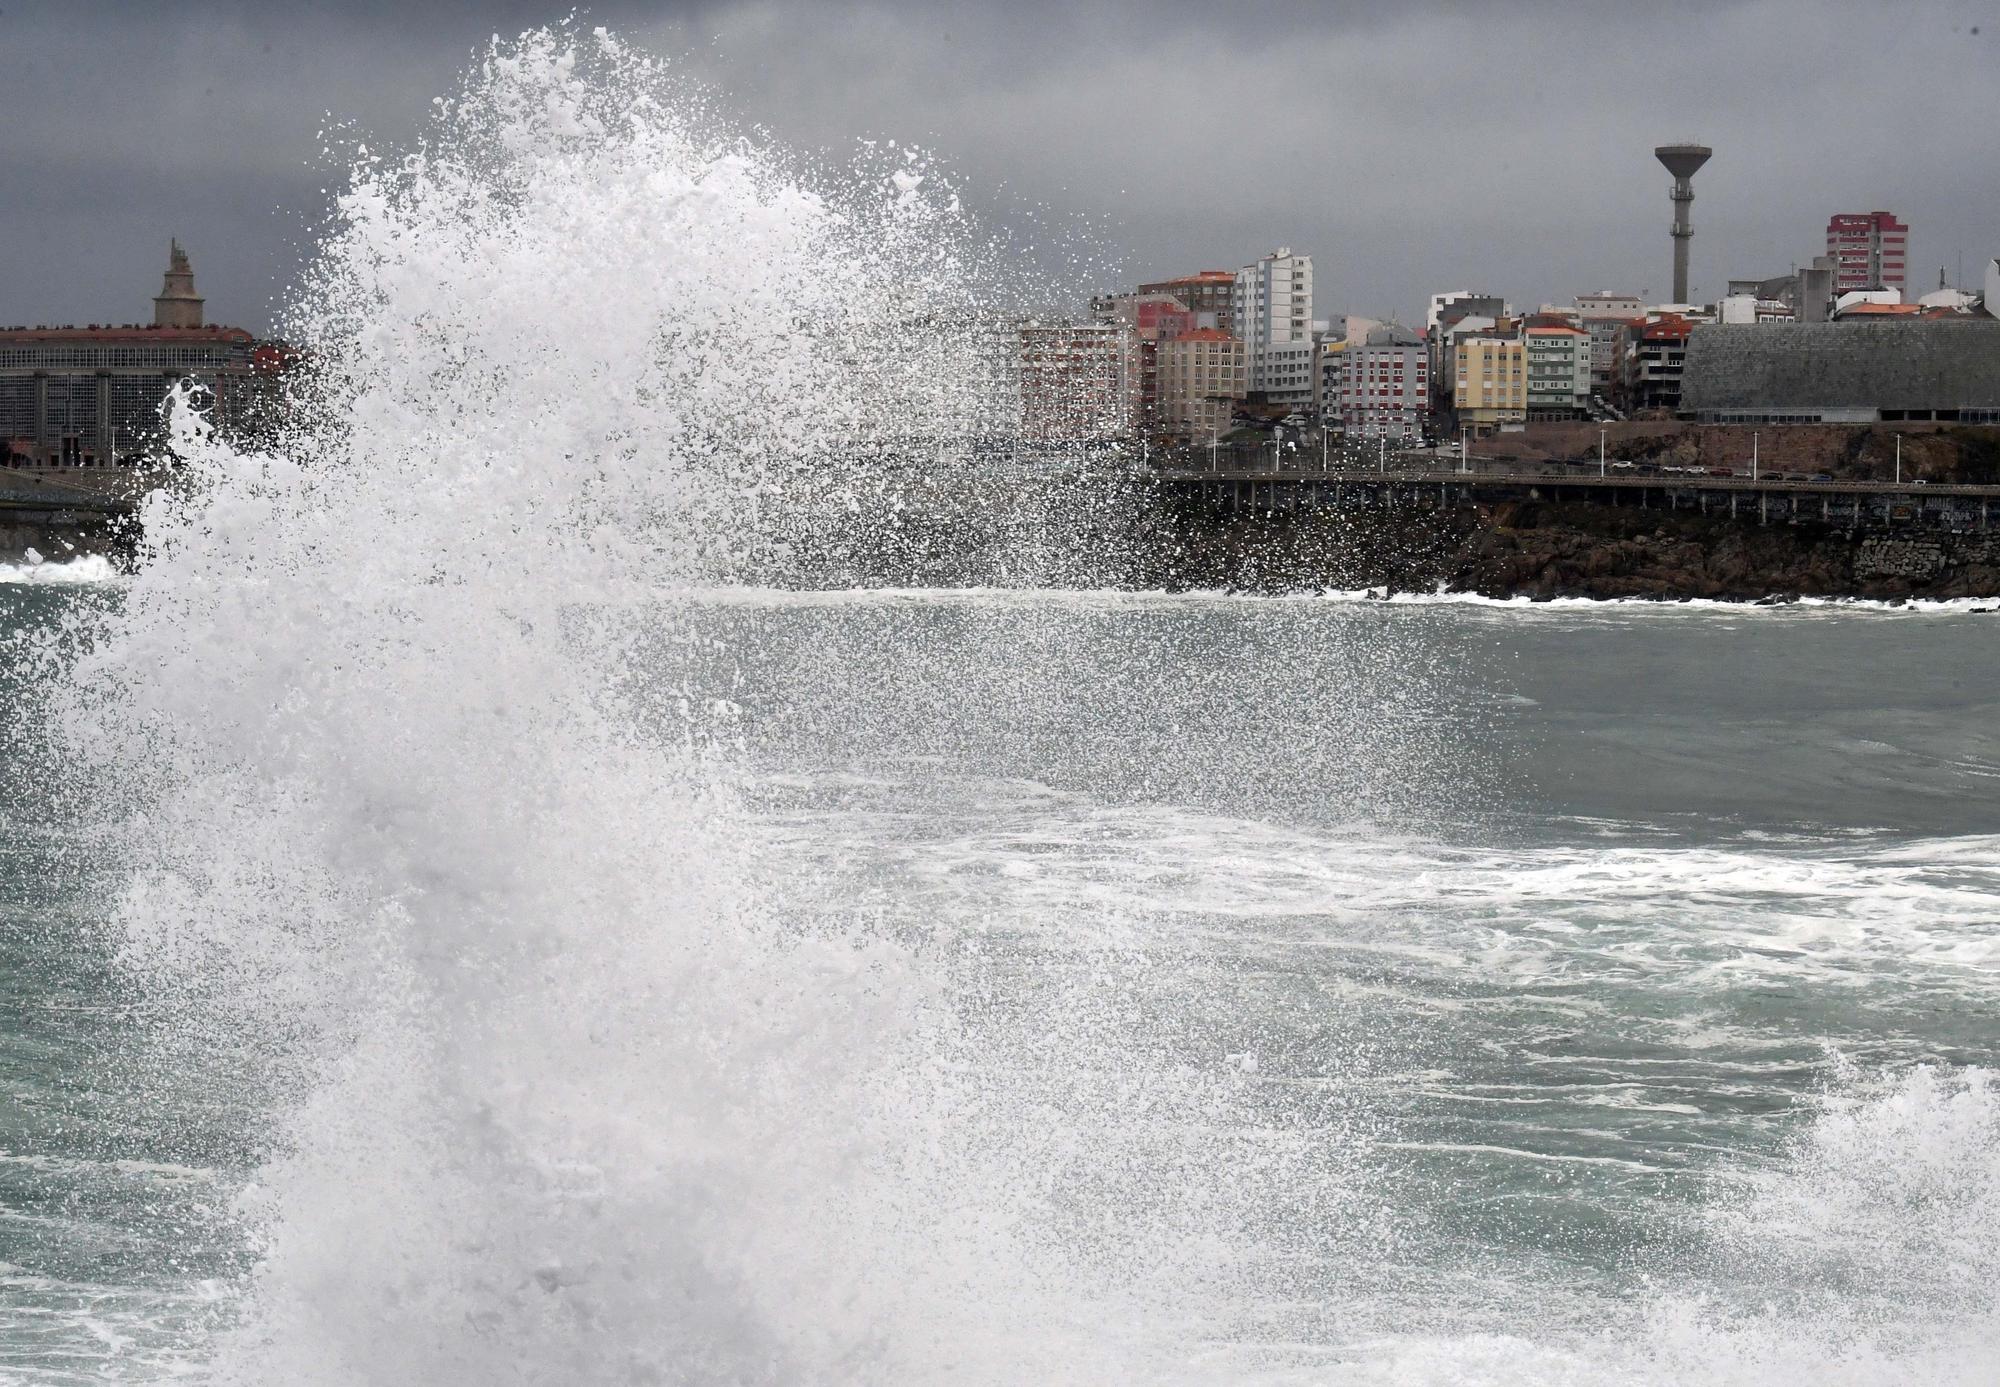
x,y
1490,381
1202,377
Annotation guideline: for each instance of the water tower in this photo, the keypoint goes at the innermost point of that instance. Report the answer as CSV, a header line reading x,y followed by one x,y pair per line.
x,y
1681,161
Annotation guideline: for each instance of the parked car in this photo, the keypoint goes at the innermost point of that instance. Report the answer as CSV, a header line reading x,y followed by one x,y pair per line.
x,y
1822,476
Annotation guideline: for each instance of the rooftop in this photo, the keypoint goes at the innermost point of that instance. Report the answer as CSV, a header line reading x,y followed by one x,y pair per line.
x,y
1393,335
1665,327
129,332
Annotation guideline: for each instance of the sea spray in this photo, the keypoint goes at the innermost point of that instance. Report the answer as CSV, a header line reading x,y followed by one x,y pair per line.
x,y
443,862
547,1095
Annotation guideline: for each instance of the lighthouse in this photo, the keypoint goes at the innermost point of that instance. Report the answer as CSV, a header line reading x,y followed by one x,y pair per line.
x,y
177,304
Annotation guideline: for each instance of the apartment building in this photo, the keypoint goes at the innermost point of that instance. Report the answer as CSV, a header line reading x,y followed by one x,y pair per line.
x,y
1274,317
1385,385
1202,379
1490,379
1558,368
1602,314
1869,250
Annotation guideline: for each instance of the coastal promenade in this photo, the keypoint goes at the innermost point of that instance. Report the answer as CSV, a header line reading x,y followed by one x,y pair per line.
x,y
1298,482
37,492
1417,481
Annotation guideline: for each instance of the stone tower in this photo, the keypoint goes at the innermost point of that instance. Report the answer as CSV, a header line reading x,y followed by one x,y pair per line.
x,y
177,305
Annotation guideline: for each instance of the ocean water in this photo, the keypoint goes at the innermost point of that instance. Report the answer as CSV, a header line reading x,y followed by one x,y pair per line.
x,y
1344,992
515,928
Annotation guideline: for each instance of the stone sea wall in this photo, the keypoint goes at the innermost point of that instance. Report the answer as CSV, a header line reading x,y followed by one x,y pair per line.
x,y
1112,530
54,537
1115,530
1540,549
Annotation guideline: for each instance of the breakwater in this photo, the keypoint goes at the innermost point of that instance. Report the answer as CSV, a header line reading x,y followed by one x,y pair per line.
x,y
1566,549
1510,535
1665,537
66,517
1114,524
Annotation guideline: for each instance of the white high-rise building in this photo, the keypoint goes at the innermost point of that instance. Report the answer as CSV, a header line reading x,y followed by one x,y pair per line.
x,y
1274,317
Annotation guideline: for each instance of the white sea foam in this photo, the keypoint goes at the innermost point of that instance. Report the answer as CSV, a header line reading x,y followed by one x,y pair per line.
x,y
1830,910
1863,1259
90,568
1030,595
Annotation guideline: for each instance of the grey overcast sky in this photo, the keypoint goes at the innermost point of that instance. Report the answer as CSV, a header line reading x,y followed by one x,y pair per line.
x,y
1410,147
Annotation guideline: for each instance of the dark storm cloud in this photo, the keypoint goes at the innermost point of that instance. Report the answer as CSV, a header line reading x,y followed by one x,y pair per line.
x,y
1413,147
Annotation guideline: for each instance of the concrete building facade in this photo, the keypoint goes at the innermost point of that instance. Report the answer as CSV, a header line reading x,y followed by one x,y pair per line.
x,y
1147,319
1150,316
1602,315
1208,294
1749,308
1202,380
1460,303
1880,370
1079,382
91,396
1807,293
1869,250
1288,375
1330,382
1274,316
1558,368
1456,315
1652,354
1385,386
1443,348
1490,380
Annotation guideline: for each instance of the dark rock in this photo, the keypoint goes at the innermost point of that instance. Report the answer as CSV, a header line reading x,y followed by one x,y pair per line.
x,y
1538,549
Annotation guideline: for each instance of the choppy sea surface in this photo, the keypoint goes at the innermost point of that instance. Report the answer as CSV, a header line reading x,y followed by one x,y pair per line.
x,y
1430,992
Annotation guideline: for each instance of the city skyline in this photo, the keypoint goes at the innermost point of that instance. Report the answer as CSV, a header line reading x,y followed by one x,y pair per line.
x,y
1434,149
